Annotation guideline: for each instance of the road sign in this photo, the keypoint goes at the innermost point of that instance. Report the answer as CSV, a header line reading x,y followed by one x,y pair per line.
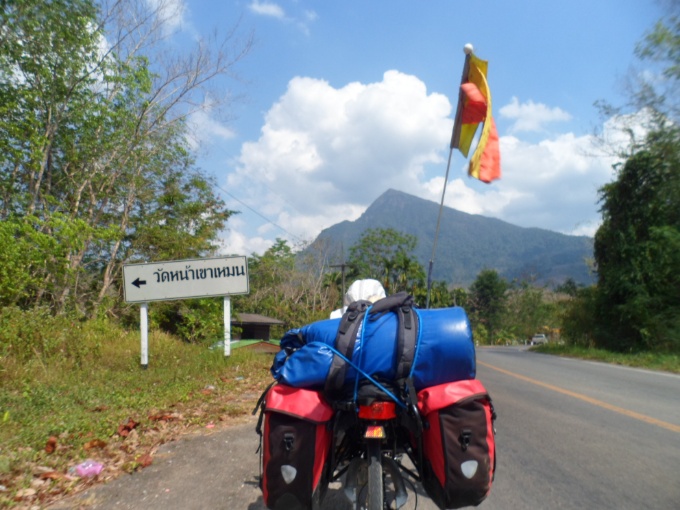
x,y
185,279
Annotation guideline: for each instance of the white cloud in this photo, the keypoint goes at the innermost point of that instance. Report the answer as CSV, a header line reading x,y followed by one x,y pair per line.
x,y
622,131
300,20
530,116
558,179
267,9
205,129
325,154
169,12
237,243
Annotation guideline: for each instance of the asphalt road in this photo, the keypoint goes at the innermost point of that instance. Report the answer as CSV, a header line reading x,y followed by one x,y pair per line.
x,y
570,435
582,435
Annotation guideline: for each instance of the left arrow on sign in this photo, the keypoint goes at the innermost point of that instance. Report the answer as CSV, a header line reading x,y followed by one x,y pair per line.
x,y
138,283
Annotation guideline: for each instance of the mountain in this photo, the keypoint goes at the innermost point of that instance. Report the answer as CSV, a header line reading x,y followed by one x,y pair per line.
x,y
467,243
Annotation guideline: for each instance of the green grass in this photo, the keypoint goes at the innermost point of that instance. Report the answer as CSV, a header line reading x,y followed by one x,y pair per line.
x,y
79,382
649,360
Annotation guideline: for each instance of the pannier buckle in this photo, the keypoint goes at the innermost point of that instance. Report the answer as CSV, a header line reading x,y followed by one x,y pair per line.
x,y
288,441
465,439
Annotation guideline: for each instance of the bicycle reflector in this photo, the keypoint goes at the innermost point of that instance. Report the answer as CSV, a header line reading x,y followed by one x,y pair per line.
x,y
374,432
378,411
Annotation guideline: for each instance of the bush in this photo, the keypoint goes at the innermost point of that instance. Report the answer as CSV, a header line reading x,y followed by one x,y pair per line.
x,y
578,318
37,334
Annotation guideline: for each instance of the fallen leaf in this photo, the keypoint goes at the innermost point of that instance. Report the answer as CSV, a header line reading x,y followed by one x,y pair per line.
x,y
51,444
52,475
95,443
24,493
164,417
132,437
145,460
124,429
37,483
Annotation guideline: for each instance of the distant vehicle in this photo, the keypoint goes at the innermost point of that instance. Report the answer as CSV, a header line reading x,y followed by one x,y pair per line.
x,y
539,338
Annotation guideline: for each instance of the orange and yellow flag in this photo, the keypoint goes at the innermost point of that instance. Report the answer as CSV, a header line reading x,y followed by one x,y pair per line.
x,y
474,107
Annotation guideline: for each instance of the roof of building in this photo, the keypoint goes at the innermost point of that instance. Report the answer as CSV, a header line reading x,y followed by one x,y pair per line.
x,y
253,318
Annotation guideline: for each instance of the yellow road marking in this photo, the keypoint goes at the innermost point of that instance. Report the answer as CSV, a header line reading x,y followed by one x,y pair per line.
x,y
632,414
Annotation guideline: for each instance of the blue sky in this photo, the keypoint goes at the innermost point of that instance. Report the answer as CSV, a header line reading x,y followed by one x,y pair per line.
x,y
340,101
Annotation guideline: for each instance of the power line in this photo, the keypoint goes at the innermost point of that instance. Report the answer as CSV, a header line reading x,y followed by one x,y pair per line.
x,y
259,214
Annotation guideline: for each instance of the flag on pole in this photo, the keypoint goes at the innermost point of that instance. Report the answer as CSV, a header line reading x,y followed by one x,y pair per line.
x,y
474,108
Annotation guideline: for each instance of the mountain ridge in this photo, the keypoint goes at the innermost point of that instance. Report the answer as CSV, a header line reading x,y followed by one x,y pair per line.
x,y
467,243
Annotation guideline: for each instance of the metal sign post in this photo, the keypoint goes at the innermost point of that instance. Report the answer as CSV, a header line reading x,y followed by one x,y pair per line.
x,y
144,327
185,279
227,325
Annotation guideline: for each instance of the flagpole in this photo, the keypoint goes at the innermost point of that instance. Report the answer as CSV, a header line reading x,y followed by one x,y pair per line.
x,y
436,232
454,145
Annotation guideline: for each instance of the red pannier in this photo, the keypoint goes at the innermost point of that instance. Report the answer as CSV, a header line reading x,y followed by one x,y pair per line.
x,y
296,447
459,452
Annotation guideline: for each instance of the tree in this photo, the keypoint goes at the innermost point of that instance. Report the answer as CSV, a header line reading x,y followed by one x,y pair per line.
x,y
460,297
286,288
527,311
440,295
568,287
21,249
639,296
93,142
661,46
637,301
386,255
578,320
487,299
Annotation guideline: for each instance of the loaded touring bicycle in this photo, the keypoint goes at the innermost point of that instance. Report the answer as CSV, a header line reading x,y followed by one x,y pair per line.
x,y
381,399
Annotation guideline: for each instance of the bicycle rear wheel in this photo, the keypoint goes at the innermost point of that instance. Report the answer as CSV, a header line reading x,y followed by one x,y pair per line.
x,y
376,493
